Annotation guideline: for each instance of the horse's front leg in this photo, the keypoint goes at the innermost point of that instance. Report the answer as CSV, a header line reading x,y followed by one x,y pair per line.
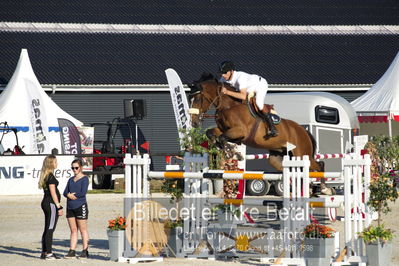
x,y
235,135
216,135
231,135
213,133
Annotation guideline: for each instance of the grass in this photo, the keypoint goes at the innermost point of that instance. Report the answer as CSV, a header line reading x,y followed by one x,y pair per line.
x,y
106,191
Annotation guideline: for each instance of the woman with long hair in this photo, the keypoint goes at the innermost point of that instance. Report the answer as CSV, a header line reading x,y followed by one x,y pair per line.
x,y
77,210
50,205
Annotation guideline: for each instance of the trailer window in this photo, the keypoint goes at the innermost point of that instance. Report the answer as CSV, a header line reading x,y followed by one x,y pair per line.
x,y
327,115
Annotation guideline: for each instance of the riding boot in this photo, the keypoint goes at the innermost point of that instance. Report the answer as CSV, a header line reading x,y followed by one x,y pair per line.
x,y
271,128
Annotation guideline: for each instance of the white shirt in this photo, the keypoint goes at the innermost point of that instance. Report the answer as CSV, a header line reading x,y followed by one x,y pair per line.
x,y
241,80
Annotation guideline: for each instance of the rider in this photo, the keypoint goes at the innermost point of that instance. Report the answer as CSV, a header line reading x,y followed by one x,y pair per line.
x,y
247,84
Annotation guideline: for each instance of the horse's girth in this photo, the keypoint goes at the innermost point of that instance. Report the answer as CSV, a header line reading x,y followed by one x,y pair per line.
x,y
251,136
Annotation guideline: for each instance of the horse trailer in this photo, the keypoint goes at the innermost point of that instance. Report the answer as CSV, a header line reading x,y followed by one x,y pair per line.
x,y
328,117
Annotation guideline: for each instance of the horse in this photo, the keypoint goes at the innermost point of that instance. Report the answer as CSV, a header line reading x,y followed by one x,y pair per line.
x,y
236,124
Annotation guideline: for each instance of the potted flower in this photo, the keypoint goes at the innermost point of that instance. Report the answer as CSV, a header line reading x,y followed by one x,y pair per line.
x,y
318,244
115,231
195,141
173,228
378,238
174,232
384,153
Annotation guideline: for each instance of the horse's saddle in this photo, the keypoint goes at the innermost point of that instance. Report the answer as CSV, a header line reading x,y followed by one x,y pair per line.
x,y
255,112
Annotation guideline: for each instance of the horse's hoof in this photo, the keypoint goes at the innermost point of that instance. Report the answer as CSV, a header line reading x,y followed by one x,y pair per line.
x,y
239,156
209,134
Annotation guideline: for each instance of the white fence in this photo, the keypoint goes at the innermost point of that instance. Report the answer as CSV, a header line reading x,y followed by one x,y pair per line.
x,y
296,181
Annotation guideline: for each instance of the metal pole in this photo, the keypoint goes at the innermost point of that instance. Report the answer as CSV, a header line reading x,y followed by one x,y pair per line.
x,y
137,139
390,125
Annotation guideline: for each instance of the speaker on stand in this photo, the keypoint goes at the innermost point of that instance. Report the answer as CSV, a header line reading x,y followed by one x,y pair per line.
x,y
134,109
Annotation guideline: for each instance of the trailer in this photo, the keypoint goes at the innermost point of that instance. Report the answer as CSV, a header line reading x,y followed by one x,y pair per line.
x,y
330,118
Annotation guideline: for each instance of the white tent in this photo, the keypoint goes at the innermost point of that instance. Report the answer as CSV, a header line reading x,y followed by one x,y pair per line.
x,y
381,102
24,105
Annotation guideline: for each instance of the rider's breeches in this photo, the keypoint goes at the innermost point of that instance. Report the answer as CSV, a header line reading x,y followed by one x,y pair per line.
x,y
260,93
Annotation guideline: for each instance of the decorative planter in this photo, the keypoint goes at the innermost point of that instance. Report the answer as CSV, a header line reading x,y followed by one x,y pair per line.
x,y
175,241
379,253
318,251
115,243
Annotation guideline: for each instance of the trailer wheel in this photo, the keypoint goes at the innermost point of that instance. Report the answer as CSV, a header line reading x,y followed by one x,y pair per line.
x,y
101,181
278,187
257,187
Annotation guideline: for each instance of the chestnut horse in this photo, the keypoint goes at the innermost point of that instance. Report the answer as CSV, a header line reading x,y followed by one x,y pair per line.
x,y
236,124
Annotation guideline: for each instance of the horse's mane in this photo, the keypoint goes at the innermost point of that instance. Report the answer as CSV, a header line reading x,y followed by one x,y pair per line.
x,y
206,77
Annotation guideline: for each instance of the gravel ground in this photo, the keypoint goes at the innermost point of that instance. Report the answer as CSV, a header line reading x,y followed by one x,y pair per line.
x,y
22,225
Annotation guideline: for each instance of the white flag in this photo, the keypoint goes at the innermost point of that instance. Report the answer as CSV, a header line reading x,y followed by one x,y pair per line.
x,y
290,147
179,101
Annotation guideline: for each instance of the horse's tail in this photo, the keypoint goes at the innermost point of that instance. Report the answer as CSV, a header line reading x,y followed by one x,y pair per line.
x,y
314,144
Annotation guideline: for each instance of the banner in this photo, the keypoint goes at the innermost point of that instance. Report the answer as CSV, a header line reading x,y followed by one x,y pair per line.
x,y
39,133
86,142
70,140
179,101
19,175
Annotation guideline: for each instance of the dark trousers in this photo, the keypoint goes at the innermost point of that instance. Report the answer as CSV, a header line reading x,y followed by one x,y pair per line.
x,y
50,222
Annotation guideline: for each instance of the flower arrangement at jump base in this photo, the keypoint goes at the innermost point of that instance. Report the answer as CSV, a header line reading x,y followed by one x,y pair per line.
x,y
115,232
315,230
318,244
119,223
384,153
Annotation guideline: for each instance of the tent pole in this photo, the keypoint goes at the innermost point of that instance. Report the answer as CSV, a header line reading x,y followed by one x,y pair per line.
x,y
390,126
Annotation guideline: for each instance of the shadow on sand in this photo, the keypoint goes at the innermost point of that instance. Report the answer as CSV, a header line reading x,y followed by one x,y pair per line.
x,y
60,248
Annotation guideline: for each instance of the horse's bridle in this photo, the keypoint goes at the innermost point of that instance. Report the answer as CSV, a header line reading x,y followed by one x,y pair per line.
x,y
203,115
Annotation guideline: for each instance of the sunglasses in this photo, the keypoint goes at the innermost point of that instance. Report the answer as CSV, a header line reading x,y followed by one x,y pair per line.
x,y
75,168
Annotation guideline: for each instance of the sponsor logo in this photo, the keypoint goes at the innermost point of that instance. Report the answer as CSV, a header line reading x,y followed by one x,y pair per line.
x,y
68,147
12,172
181,111
18,172
40,138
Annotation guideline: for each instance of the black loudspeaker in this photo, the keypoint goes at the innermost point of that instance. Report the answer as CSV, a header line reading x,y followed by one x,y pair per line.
x,y
134,109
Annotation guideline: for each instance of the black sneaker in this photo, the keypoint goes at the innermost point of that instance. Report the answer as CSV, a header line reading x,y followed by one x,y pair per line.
x,y
52,256
84,254
43,256
71,254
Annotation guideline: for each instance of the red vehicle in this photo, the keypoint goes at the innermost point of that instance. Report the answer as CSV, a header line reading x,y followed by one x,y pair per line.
x,y
5,129
112,161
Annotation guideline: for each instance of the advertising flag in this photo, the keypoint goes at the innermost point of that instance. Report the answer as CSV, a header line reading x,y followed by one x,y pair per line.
x,y
179,101
70,140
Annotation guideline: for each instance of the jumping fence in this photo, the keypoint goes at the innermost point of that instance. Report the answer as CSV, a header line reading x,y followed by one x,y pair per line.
x,y
296,179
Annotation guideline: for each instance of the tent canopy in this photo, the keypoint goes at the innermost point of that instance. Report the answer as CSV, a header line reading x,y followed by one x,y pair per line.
x,y
24,105
381,102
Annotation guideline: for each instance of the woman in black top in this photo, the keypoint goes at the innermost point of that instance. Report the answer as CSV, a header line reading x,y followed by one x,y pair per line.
x,y
50,205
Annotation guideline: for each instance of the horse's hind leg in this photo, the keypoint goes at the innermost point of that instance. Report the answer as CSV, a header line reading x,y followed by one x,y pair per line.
x,y
317,166
276,161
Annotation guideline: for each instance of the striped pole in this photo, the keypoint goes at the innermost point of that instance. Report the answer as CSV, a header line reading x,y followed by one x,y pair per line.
x,y
327,202
317,156
197,175
260,173
234,175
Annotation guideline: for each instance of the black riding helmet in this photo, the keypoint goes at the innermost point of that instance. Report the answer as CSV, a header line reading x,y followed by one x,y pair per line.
x,y
226,66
